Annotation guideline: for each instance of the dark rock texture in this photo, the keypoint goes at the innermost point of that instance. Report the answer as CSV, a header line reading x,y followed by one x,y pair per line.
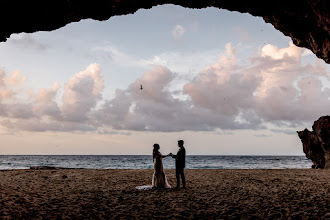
x,y
305,21
316,143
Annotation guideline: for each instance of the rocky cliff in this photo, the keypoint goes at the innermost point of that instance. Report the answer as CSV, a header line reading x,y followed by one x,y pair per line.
x,y
316,143
305,21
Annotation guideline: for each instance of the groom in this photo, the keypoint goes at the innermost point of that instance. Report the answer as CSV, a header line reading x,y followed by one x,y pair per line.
x,y
180,163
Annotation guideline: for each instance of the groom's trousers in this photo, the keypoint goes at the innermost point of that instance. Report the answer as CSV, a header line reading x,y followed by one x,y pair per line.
x,y
179,172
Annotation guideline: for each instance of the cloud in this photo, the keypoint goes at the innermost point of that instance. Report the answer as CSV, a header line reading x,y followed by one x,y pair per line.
x,y
279,54
262,135
81,93
41,111
178,31
227,95
285,131
9,86
27,41
16,79
275,89
6,94
155,109
188,64
290,91
19,110
307,52
45,103
2,78
224,88
149,109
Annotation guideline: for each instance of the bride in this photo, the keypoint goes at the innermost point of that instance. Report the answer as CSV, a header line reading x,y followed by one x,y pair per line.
x,y
159,179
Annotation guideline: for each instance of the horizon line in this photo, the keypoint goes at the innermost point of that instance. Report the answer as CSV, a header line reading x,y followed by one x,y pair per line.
x,y
150,155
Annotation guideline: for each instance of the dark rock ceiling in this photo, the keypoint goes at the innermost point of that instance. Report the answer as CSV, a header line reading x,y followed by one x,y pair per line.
x,y
305,21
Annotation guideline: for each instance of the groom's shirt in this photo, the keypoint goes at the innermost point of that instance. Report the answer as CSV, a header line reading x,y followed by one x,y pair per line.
x,y
180,158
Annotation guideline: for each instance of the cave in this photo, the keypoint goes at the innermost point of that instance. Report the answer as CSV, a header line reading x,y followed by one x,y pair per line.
x,y
306,22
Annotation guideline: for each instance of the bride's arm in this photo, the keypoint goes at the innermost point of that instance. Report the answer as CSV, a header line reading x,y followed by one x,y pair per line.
x,y
163,155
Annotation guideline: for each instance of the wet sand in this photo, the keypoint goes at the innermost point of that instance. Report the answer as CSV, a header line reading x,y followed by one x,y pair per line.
x,y
210,194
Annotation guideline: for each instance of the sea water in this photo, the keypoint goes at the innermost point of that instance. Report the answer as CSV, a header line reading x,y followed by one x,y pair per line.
x,y
145,162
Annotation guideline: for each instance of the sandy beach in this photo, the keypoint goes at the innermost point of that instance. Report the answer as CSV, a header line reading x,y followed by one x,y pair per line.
x,y
210,194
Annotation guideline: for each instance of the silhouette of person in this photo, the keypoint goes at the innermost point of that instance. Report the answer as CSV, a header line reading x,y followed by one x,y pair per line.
x,y
159,179
180,163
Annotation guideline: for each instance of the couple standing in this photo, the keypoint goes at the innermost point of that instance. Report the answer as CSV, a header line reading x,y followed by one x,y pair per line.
x,y
159,179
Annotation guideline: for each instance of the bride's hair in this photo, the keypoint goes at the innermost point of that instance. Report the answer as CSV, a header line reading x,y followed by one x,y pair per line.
x,y
155,151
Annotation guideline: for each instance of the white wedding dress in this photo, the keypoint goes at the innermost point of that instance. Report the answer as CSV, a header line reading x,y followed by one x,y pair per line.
x,y
159,179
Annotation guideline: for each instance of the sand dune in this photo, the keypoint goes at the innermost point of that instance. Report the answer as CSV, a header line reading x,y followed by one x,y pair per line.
x,y
210,194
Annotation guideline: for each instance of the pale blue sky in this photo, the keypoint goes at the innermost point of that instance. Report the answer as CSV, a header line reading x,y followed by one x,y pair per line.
x,y
187,54
143,35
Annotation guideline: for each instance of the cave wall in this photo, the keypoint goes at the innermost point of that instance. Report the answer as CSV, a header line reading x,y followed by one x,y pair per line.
x,y
305,21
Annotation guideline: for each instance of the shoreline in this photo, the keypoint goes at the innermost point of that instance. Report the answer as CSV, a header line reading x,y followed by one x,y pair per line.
x,y
210,194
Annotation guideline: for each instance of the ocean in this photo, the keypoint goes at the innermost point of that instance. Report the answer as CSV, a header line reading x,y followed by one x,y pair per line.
x,y
145,162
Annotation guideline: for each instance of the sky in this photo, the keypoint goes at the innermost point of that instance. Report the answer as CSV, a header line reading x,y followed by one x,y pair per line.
x,y
225,82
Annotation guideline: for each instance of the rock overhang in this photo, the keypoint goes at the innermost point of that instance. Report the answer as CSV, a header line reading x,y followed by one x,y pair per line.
x,y
306,21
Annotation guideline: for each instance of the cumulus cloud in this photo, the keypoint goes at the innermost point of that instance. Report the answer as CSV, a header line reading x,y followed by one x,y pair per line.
x,y
279,54
8,84
290,91
274,89
226,95
178,31
81,93
41,111
152,108
45,103
16,79
224,88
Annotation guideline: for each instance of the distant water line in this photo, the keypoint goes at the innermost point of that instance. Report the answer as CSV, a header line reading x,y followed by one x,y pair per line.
x,y
145,162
